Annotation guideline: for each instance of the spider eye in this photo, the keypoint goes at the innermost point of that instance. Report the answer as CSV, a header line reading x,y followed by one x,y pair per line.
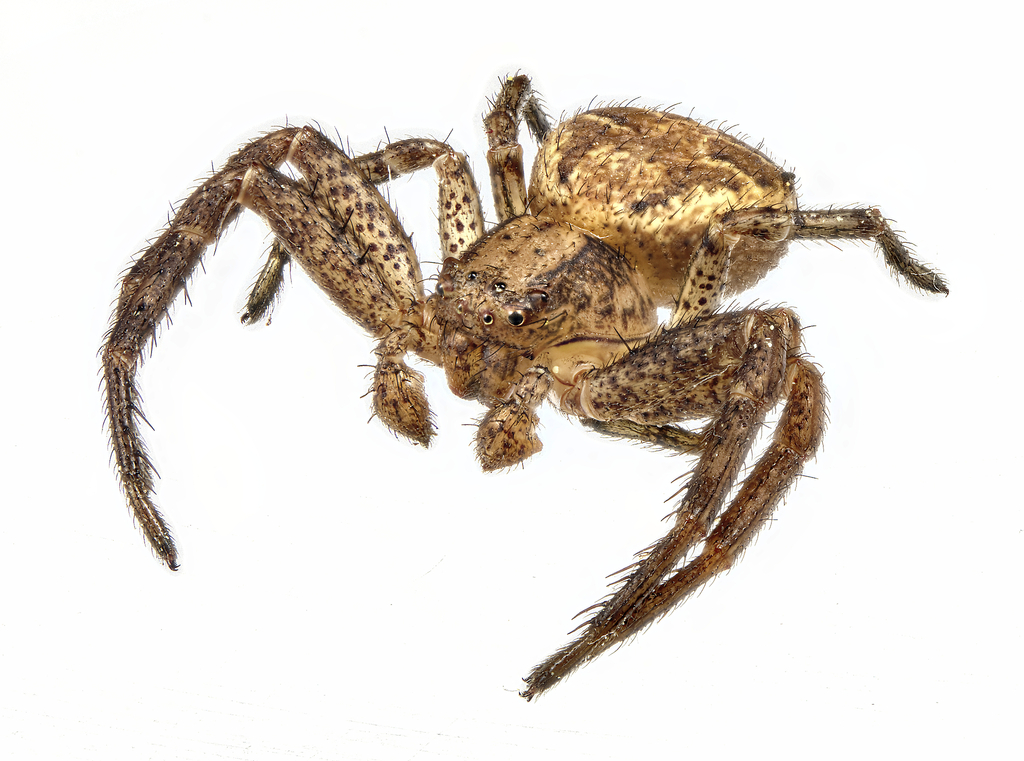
x,y
487,318
445,286
537,300
499,287
515,319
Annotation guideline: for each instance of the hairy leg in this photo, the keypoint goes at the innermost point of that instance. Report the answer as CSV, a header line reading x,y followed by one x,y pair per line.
x,y
707,273
156,278
460,218
754,360
839,224
338,227
670,437
515,103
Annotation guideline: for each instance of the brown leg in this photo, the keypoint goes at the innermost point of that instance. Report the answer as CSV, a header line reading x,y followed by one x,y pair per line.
x,y
507,434
267,289
460,219
662,436
753,361
515,103
147,291
839,224
336,224
708,270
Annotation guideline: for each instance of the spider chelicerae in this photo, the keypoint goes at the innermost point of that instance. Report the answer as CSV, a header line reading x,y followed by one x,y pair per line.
x,y
627,211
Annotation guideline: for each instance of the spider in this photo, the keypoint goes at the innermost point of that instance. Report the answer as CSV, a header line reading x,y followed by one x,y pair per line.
x,y
628,210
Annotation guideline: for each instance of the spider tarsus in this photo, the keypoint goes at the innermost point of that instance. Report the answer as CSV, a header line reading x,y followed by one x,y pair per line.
x,y
169,555
266,290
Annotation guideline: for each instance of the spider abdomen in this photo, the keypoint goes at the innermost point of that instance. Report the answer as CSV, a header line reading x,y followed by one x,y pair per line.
x,y
651,183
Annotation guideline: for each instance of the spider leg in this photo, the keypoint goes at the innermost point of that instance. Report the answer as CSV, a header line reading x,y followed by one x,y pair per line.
x,y
383,257
460,219
663,436
336,224
147,291
796,438
267,288
840,224
514,103
507,434
366,267
754,361
339,229
706,277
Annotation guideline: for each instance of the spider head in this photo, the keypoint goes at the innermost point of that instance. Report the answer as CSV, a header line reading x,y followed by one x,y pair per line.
x,y
481,303
512,287
528,288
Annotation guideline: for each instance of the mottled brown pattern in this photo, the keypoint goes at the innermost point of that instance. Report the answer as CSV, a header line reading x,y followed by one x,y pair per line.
x,y
507,434
370,224
650,182
400,400
629,210
460,217
513,104
147,291
400,158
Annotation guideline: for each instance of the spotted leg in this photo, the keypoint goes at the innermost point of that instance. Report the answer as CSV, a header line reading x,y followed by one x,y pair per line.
x,y
708,270
147,291
338,227
514,103
460,218
734,368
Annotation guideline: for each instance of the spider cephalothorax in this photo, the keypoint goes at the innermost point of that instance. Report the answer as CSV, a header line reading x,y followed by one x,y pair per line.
x,y
629,211
548,292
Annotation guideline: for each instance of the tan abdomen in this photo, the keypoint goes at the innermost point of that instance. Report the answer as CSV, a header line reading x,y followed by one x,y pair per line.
x,y
650,183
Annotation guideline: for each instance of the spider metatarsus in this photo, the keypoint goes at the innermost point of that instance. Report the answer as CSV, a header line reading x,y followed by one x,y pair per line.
x,y
628,210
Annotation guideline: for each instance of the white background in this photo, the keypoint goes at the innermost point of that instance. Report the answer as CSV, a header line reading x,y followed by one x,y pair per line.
x,y
344,595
